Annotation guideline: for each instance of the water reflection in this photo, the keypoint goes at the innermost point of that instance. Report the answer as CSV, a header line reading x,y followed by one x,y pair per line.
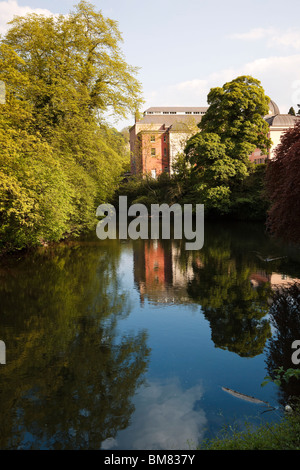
x,y
231,281
285,319
88,367
160,272
70,378
166,417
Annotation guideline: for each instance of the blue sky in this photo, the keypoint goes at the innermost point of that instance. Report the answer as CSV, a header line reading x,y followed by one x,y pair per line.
x,y
183,48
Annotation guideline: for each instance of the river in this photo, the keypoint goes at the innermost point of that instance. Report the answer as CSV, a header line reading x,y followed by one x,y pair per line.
x,y
130,344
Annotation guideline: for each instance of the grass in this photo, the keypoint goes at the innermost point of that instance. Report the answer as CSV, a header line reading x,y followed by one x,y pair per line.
x,y
284,435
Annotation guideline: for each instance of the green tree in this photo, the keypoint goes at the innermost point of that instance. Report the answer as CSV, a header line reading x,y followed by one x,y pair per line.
x,y
213,171
35,191
74,64
236,113
59,157
249,201
232,128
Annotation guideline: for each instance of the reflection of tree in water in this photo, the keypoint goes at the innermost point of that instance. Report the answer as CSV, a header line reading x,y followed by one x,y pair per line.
x,y
285,318
221,285
69,377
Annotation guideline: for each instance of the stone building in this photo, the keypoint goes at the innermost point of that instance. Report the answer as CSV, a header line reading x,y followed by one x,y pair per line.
x,y
161,134
278,124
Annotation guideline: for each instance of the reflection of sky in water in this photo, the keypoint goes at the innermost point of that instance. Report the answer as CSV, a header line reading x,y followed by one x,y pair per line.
x,y
165,418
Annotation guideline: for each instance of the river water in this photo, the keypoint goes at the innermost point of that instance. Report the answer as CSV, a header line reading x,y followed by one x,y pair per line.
x,y
130,344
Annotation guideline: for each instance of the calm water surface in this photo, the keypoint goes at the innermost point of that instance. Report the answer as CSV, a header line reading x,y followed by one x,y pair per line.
x,y
127,345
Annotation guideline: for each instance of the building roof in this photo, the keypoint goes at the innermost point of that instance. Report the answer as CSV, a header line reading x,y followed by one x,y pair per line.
x,y
188,115
176,109
273,108
170,119
282,120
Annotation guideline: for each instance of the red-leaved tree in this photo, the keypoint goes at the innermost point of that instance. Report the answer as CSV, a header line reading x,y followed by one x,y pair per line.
x,y
283,187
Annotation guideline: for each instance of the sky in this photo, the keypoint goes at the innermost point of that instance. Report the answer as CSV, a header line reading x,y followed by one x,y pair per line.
x,y
184,48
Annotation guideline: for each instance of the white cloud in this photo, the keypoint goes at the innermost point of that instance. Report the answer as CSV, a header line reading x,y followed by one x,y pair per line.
x,y
10,8
279,76
165,418
253,34
289,38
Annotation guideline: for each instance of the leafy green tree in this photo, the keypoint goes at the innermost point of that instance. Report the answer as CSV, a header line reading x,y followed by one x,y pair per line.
x,y
232,128
212,170
59,158
35,192
74,64
249,201
236,113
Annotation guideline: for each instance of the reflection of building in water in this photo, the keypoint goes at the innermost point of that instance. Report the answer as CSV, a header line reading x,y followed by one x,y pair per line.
x,y
158,265
160,274
276,280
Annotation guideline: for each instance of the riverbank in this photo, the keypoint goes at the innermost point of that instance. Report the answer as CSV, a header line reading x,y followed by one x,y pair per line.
x,y
284,435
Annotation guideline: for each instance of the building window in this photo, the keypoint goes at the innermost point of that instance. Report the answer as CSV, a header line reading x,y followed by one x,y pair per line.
x,y
153,173
165,152
153,152
165,138
153,138
188,112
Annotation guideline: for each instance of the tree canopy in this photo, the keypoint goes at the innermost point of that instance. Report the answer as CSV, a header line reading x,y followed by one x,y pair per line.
x,y
212,170
59,158
236,113
232,128
74,62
